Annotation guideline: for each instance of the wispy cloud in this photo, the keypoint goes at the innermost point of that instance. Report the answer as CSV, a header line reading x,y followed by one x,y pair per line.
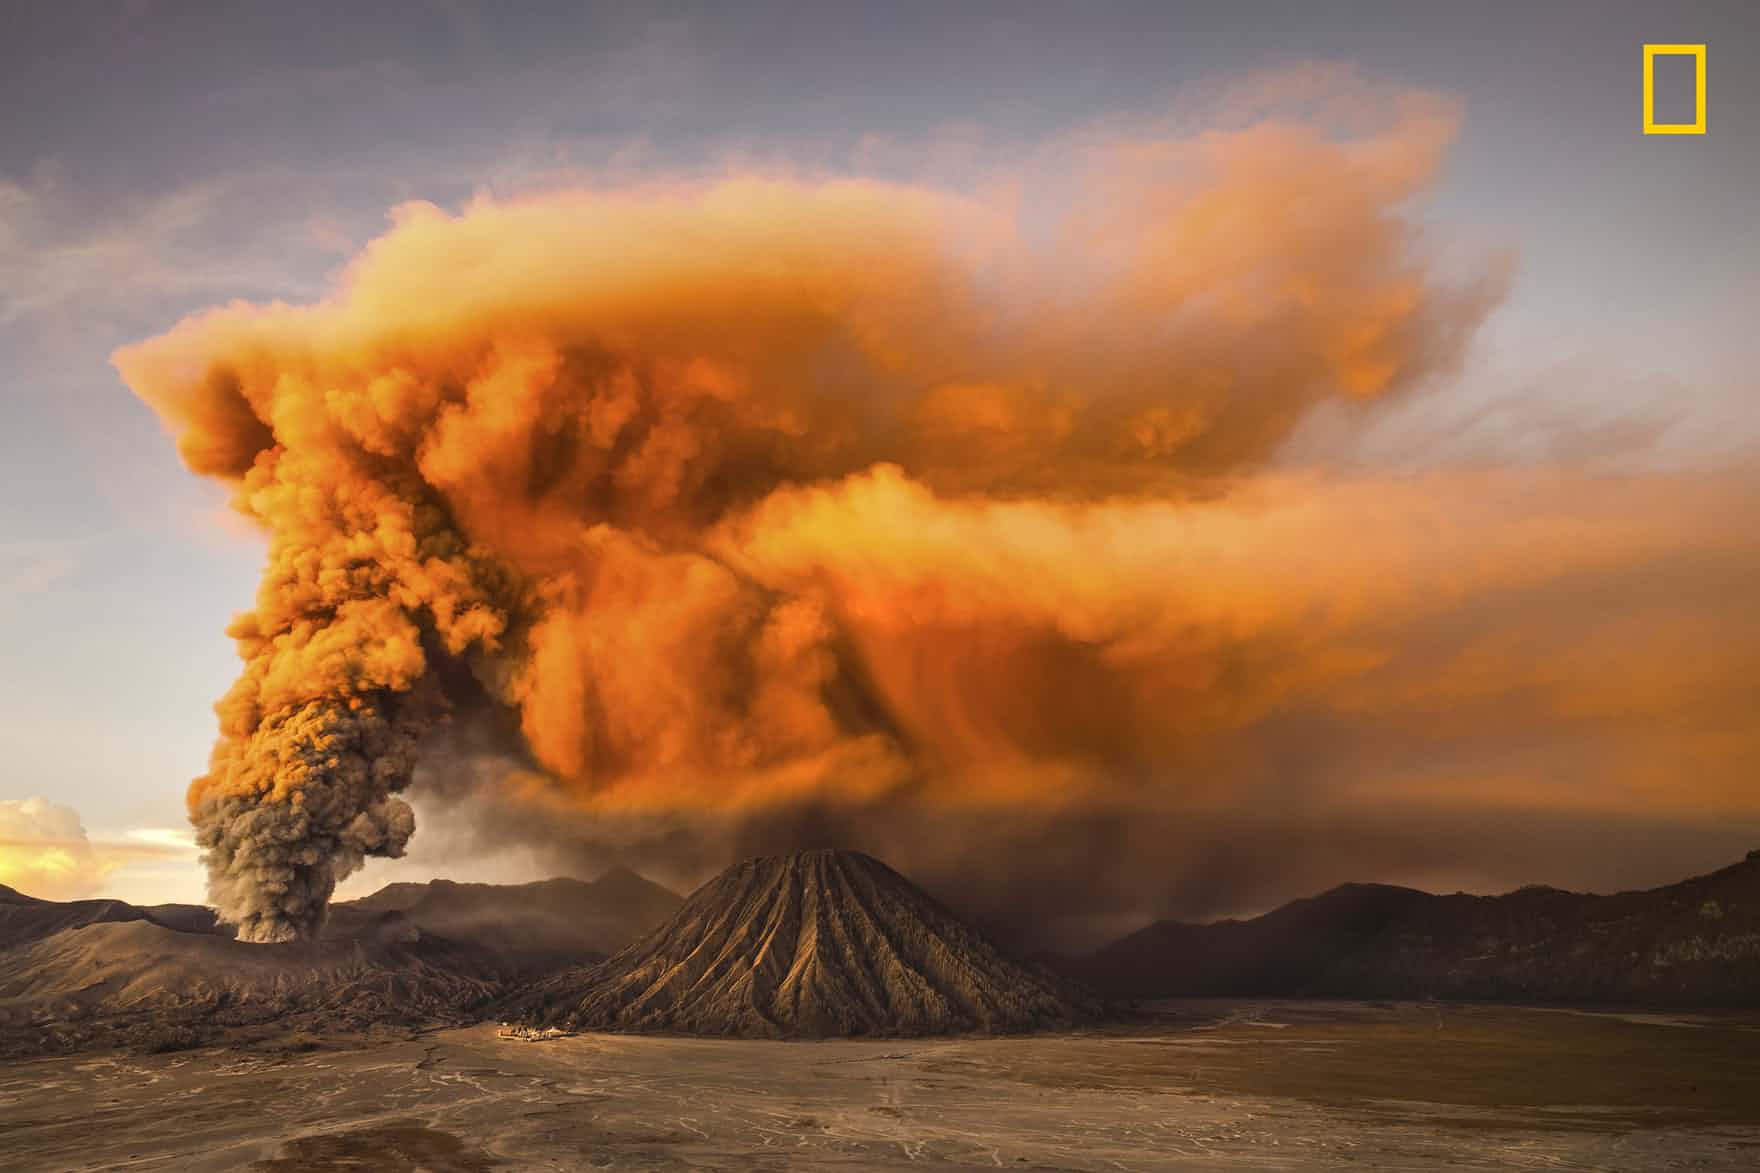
x,y
29,567
57,252
178,839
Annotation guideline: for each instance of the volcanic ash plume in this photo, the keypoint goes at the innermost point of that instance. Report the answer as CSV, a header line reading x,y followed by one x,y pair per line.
x,y
606,463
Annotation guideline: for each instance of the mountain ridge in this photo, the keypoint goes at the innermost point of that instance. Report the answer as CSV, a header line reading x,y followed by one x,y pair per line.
x,y
822,944
86,974
1693,942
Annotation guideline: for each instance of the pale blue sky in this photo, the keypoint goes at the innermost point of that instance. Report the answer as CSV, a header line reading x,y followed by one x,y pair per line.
x,y
160,157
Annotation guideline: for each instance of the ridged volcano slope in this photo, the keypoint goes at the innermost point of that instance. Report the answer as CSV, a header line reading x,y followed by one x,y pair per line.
x,y
821,943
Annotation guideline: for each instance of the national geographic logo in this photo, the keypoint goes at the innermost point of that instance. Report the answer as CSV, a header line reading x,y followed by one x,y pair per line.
x,y
1674,88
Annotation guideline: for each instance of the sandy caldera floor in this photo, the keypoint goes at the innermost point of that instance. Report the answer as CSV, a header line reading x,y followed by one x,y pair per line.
x,y
1265,1085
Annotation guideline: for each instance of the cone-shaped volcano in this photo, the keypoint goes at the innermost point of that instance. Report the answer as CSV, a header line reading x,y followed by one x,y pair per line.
x,y
815,944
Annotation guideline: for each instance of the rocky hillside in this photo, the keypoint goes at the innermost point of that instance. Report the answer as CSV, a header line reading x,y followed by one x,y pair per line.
x,y
103,972
140,984
820,943
1695,943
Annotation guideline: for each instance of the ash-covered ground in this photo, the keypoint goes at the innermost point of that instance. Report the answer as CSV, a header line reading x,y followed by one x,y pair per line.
x,y
1249,1085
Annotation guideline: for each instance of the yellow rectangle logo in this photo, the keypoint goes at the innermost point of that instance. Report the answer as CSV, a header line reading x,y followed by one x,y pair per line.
x,y
1651,53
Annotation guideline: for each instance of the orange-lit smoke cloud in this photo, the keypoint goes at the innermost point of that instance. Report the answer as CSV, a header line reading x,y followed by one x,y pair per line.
x,y
768,490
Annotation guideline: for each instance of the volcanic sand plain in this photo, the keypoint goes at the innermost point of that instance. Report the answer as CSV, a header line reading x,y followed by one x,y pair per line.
x,y
1204,1084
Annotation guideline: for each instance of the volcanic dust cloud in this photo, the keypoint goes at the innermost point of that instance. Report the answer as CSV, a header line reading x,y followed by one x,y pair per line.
x,y
764,501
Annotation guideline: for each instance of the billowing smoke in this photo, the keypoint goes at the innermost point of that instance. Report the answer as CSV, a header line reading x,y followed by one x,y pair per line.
x,y
762,493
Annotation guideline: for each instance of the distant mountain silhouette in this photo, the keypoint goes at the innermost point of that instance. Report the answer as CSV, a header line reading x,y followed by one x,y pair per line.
x,y
1693,943
815,944
543,921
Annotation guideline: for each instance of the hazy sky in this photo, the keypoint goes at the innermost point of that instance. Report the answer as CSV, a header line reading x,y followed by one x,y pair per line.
x,y
158,158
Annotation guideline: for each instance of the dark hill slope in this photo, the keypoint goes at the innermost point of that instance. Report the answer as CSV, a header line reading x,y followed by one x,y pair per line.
x,y
24,919
821,943
1693,943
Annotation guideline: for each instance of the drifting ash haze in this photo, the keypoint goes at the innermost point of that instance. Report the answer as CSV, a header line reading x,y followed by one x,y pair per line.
x,y
696,520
